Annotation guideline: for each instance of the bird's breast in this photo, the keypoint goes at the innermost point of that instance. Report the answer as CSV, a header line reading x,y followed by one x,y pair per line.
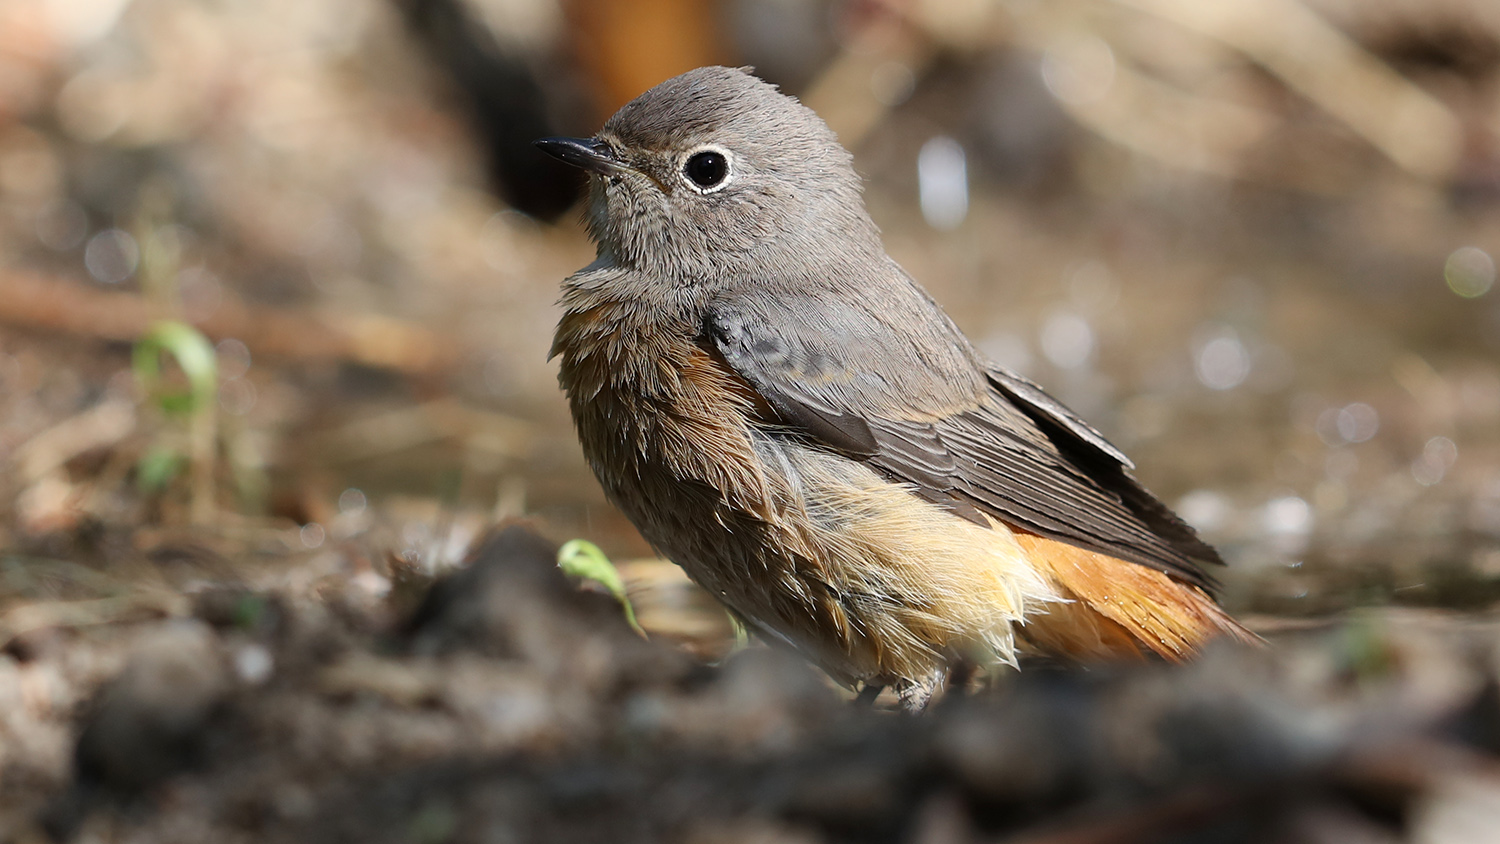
x,y
655,409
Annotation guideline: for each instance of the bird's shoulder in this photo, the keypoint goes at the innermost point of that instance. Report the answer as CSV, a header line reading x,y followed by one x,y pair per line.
x,y
877,346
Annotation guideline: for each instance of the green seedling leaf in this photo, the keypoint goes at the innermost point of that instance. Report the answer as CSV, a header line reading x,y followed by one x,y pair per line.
x,y
581,558
1366,650
192,352
248,612
158,467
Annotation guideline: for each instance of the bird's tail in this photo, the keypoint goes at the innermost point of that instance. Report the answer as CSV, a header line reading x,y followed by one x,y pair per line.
x,y
1117,607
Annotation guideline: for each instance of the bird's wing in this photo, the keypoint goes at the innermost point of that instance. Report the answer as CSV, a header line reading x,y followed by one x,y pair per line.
x,y
902,391
1029,396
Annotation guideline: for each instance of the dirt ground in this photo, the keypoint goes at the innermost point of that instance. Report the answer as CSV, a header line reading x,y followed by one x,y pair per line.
x,y
312,594
509,705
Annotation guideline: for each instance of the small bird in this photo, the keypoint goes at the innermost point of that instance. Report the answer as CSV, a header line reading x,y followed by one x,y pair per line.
x,y
786,414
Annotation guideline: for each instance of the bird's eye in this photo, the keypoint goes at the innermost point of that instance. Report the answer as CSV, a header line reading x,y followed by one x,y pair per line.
x,y
706,169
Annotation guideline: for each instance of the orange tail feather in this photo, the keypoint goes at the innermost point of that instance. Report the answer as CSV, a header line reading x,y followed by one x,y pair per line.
x,y
1120,606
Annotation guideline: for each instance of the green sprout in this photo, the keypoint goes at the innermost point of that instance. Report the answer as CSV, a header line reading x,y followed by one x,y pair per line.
x,y
193,353
197,404
157,467
583,559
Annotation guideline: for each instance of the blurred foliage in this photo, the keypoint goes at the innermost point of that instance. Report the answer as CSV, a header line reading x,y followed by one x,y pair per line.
x,y
193,353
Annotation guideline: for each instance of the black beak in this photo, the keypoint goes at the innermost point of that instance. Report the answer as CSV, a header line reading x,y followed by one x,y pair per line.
x,y
590,154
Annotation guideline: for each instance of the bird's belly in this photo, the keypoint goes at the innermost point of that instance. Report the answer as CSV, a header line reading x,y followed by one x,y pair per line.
x,y
918,584
864,577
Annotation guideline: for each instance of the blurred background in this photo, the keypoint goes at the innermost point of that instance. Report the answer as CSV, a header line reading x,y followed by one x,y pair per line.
x,y
1253,241
1254,244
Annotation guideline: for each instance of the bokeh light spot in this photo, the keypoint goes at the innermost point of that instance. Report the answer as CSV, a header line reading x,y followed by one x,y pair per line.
x,y
253,663
1357,422
353,501
1205,510
1470,272
1287,516
111,256
312,535
1438,456
943,182
1067,340
1223,363
1353,423
234,358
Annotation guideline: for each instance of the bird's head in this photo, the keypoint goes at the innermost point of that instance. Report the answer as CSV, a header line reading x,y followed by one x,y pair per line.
x,y
715,172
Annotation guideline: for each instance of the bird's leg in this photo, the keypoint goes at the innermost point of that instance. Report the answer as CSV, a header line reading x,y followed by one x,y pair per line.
x,y
961,676
916,695
869,692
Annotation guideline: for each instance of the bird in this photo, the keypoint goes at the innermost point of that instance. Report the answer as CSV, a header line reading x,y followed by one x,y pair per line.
x,y
784,412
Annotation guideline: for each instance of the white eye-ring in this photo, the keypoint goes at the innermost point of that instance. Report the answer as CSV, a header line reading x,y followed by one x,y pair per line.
x,y
708,168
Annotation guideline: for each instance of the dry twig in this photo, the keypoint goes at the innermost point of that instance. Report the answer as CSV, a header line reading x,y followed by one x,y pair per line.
x,y
370,340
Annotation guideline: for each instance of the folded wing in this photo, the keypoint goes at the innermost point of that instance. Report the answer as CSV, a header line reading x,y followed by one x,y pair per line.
x,y
916,403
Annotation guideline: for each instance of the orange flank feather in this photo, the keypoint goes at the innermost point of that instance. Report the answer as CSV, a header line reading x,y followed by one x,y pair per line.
x,y
1117,607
